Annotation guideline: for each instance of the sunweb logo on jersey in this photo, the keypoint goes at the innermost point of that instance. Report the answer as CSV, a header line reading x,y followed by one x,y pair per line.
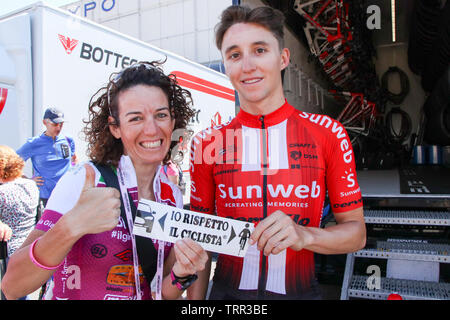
x,y
68,43
278,191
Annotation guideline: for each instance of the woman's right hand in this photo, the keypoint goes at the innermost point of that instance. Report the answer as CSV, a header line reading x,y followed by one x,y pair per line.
x,y
97,209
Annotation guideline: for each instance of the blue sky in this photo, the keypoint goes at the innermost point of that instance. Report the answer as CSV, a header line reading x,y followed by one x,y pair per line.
x,y
11,5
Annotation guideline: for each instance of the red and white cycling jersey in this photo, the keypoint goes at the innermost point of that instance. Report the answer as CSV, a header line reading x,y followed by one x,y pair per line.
x,y
254,165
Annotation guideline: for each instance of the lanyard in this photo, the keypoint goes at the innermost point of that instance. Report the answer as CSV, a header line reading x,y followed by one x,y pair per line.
x,y
126,202
159,270
161,247
161,244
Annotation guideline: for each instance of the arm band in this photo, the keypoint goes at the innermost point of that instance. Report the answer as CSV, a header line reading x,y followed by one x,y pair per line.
x,y
36,263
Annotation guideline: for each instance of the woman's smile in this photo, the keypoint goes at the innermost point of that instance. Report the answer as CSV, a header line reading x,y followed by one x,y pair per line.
x,y
151,144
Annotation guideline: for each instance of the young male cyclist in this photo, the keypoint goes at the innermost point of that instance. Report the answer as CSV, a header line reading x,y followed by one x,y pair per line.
x,y
273,165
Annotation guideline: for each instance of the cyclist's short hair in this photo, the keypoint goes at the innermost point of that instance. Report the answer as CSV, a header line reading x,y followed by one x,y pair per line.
x,y
267,17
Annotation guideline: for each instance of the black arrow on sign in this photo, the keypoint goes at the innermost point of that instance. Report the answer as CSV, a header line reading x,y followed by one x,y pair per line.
x,y
232,235
162,220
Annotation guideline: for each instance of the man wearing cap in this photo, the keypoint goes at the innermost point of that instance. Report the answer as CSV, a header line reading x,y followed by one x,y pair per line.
x,y
51,153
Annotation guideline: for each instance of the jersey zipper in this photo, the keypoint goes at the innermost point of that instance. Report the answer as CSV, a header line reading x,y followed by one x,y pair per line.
x,y
54,146
263,277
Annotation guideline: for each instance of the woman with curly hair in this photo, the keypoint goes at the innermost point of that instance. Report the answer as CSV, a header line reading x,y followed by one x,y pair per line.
x,y
82,240
19,198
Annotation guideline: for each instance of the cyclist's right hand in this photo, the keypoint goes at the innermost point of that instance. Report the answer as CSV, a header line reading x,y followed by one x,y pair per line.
x,y
278,232
97,209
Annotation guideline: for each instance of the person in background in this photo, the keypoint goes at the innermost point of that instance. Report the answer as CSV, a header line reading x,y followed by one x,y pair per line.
x,y
51,154
172,172
19,199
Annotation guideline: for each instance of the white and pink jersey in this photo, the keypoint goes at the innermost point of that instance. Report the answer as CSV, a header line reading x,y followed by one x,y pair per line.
x,y
99,266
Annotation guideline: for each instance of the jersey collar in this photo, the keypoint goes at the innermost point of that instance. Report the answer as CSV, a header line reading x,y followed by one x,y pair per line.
x,y
43,135
277,116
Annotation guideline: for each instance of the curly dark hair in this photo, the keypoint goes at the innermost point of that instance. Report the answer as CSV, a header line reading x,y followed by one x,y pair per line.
x,y
103,147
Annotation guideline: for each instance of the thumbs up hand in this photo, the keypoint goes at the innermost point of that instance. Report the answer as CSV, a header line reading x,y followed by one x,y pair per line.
x,y
97,209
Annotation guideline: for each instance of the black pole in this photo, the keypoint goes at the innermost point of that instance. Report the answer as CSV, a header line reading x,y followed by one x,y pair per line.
x,y
3,257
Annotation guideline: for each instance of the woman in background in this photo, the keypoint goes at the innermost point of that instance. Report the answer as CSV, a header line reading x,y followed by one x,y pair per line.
x,y
19,198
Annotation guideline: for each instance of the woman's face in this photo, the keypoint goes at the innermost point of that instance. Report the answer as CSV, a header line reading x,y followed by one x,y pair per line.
x,y
145,124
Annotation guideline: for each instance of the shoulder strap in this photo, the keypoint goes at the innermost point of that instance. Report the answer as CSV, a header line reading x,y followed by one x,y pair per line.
x,y
70,142
145,248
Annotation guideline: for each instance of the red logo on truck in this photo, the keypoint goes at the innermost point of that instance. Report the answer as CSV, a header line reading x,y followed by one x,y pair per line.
x,y
3,95
192,82
68,43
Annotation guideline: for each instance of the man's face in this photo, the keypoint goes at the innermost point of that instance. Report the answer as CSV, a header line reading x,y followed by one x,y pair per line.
x,y
253,62
53,129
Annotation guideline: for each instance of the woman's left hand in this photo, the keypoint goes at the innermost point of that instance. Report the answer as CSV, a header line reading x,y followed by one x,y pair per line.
x,y
191,257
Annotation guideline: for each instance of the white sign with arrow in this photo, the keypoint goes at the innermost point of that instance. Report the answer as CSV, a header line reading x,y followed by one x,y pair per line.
x,y
216,234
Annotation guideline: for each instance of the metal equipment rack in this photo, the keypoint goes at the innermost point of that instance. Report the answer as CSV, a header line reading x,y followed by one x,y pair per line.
x,y
386,208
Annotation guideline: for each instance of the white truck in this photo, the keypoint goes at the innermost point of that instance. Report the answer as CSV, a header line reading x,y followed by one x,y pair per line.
x,y
52,58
